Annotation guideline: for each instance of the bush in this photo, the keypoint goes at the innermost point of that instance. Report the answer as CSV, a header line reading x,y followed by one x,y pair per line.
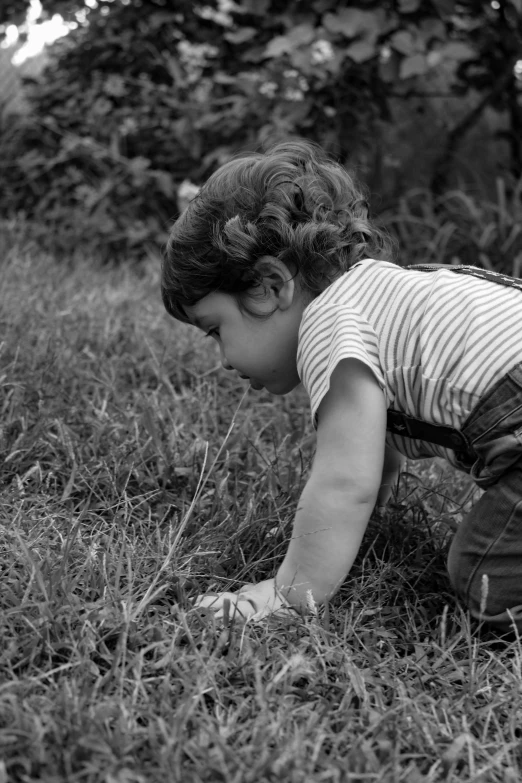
x,y
460,228
142,95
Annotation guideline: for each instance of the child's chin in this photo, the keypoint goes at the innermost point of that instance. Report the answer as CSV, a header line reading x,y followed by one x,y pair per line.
x,y
280,389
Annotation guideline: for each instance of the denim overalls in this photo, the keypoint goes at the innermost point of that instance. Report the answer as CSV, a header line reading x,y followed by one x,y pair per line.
x,y
485,557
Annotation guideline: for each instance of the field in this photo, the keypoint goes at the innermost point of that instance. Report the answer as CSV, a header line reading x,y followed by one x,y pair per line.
x,y
135,474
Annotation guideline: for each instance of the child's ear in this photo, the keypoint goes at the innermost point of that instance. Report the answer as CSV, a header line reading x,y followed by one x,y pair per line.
x,y
277,280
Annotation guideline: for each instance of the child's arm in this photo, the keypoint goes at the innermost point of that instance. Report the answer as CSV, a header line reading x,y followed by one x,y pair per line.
x,y
337,501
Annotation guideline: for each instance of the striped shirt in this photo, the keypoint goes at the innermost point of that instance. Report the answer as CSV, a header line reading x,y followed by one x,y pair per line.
x,y
435,342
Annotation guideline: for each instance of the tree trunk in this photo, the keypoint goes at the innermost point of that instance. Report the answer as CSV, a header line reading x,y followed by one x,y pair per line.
x,y
442,168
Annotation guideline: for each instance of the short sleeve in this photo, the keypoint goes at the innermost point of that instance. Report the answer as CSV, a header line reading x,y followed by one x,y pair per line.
x,y
327,335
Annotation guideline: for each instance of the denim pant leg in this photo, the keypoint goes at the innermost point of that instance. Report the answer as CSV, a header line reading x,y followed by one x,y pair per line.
x,y
485,559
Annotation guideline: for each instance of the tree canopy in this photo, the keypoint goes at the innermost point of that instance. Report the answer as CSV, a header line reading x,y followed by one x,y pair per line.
x,y
143,94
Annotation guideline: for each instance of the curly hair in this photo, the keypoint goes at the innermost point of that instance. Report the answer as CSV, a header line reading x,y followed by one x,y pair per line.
x,y
292,202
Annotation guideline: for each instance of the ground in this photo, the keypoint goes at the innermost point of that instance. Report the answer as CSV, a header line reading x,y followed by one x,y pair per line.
x,y
135,474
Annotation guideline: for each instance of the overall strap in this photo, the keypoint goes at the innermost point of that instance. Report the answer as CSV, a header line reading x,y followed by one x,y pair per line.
x,y
474,271
448,437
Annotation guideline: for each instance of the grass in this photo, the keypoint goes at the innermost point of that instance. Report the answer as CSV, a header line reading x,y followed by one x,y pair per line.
x,y
123,497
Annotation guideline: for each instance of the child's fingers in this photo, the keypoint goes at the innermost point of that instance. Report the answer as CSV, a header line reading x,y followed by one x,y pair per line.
x,y
226,603
210,600
238,608
246,587
252,602
269,609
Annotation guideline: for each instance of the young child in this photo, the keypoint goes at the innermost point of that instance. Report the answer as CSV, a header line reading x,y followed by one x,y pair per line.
x,y
277,260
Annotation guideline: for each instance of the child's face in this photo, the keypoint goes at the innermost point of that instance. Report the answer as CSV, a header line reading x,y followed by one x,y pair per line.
x,y
262,350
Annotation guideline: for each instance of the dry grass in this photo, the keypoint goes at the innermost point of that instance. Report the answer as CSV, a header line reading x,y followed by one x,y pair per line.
x,y
121,500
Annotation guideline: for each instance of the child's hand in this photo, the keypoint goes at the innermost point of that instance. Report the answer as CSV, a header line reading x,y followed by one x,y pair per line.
x,y
252,602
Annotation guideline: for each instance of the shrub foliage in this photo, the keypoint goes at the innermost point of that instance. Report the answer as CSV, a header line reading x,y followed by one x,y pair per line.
x,y
143,94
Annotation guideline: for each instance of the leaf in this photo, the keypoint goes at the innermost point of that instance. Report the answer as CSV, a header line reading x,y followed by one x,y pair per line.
x,y
389,68
114,85
301,60
139,165
413,66
102,106
159,19
320,6
444,7
361,51
279,45
174,69
301,35
241,36
458,50
165,183
257,7
220,77
408,6
353,22
403,42
434,58
432,28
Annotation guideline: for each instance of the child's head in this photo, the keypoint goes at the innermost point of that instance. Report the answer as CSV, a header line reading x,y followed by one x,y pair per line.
x,y
291,202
